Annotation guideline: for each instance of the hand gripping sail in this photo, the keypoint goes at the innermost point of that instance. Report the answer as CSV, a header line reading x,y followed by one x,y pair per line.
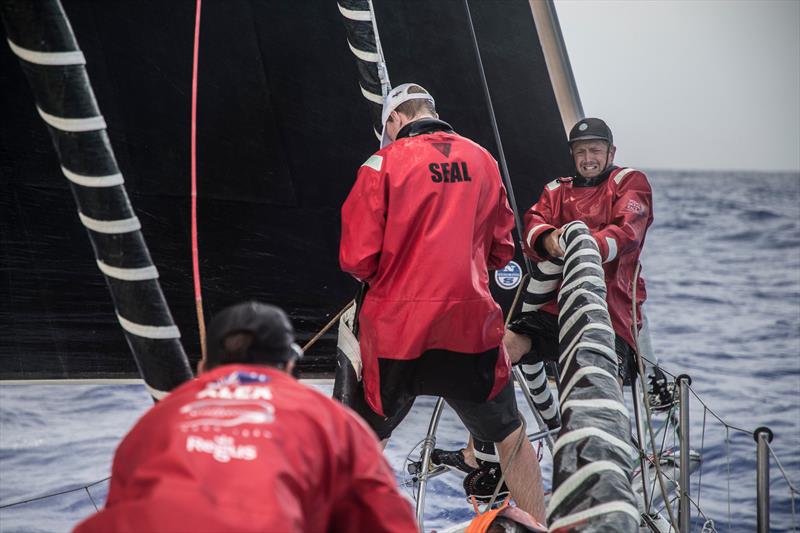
x,y
41,37
592,464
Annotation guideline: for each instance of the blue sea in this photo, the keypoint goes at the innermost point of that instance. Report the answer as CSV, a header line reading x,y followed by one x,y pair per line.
x,y
722,264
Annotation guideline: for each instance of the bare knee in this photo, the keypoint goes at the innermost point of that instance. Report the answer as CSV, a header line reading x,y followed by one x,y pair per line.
x,y
516,345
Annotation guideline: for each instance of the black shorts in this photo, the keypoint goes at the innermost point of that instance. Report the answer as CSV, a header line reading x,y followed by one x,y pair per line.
x,y
490,421
542,329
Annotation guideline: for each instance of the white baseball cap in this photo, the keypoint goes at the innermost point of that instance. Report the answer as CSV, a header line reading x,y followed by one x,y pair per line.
x,y
397,96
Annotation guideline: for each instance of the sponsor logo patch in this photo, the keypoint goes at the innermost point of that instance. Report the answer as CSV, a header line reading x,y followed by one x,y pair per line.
x,y
634,206
222,448
509,276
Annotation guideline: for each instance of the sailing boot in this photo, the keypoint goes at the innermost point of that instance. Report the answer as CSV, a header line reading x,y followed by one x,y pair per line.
x,y
452,459
482,481
661,392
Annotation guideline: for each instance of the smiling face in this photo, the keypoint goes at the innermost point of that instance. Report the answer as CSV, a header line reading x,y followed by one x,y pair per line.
x,y
592,157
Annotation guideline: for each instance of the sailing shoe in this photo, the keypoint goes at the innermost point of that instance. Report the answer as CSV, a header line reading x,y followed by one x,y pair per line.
x,y
661,392
454,460
482,482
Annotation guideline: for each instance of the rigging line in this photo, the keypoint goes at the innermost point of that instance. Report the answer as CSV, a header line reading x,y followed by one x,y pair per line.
x,y
728,460
328,326
91,498
780,467
646,400
198,295
60,493
503,166
715,415
702,450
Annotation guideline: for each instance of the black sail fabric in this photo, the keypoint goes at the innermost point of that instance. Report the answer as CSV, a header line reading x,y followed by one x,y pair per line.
x,y
282,127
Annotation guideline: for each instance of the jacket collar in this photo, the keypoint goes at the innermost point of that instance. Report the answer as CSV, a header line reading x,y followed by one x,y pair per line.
x,y
580,181
423,126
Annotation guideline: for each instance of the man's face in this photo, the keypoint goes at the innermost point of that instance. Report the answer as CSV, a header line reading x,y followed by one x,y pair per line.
x,y
592,157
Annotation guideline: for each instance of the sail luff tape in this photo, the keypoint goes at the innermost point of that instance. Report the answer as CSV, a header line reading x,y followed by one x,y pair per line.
x,y
48,59
597,510
360,16
155,393
551,412
372,97
149,332
128,274
363,55
73,125
111,227
596,404
111,180
580,374
541,397
569,485
583,433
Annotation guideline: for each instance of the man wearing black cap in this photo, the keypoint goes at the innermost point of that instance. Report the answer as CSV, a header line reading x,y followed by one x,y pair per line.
x,y
246,448
616,204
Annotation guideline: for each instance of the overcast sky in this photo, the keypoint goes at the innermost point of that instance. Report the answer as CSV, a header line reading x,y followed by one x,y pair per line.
x,y
691,84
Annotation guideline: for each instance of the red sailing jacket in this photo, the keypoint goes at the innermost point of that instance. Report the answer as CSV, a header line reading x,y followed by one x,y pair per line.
x,y
618,212
249,449
425,221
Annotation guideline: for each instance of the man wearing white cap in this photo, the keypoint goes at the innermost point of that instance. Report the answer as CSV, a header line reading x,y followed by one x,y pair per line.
x,y
425,221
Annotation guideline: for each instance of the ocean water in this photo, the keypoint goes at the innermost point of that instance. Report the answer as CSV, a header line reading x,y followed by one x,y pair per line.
x,y
722,264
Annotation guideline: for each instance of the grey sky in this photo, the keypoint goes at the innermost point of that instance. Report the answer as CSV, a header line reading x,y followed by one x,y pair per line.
x,y
700,84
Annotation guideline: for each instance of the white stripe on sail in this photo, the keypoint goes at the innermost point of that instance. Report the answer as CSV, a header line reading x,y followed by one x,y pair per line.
x,y
579,374
586,265
128,274
155,393
577,240
111,227
372,97
580,253
93,181
549,268
48,59
574,481
361,16
579,337
597,510
75,125
363,55
542,287
583,433
579,313
595,404
595,280
149,332
570,301
566,358
538,373
550,412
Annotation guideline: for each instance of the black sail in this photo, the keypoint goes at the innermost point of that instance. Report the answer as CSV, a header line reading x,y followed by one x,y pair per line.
x,y
282,128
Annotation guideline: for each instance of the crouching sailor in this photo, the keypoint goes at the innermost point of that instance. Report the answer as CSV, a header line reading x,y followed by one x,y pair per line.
x,y
245,447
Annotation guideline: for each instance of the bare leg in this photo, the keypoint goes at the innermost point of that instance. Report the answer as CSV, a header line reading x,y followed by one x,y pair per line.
x,y
524,478
469,454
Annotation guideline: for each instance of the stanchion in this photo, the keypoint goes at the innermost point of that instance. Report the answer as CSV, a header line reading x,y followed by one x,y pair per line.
x,y
684,517
762,436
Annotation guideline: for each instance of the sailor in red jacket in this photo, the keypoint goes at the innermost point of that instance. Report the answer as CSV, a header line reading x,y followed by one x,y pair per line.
x,y
617,205
425,221
247,448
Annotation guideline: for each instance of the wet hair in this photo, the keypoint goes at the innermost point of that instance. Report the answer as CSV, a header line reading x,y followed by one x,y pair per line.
x,y
418,106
